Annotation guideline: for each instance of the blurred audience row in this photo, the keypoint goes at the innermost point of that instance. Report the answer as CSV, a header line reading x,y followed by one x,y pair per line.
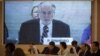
x,y
62,50
10,50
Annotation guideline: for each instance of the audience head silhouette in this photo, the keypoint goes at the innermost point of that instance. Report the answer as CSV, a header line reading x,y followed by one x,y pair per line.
x,y
63,45
19,52
95,46
74,43
9,49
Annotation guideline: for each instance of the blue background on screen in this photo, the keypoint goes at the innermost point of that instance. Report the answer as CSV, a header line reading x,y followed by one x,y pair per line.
x,y
75,13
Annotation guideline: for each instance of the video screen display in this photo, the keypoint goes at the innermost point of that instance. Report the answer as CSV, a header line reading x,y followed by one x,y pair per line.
x,y
40,22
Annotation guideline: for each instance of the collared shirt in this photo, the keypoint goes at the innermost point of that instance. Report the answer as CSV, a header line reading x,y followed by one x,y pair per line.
x,y
49,29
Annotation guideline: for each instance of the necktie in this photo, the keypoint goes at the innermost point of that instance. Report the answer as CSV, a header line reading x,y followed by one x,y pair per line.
x,y
45,32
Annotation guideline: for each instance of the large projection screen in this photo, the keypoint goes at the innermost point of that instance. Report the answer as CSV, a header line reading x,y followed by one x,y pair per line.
x,y
77,14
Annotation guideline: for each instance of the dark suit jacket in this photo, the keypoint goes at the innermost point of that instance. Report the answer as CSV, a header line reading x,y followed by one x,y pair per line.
x,y
96,54
30,31
87,53
54,51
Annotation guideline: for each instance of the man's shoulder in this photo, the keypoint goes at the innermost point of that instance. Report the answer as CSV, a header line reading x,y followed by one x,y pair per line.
x,y
98,51
45,48
60,23
31,21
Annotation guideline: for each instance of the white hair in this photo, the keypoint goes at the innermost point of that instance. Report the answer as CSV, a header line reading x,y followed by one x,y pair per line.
x,y
42,4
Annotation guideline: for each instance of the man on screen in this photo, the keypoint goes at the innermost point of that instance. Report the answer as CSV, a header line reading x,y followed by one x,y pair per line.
x,y
35,30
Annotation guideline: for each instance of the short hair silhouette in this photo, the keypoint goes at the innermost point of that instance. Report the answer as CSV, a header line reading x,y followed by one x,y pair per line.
x,y
19,52
96,43
74,42
10,46
52,43
63,44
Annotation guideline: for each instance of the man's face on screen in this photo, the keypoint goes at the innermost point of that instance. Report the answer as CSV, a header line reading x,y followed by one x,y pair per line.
x,y
46,13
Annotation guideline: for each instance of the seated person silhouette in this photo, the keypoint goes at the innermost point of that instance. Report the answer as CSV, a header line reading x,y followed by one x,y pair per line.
x,y
32,49
9,49
51,49
19,52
